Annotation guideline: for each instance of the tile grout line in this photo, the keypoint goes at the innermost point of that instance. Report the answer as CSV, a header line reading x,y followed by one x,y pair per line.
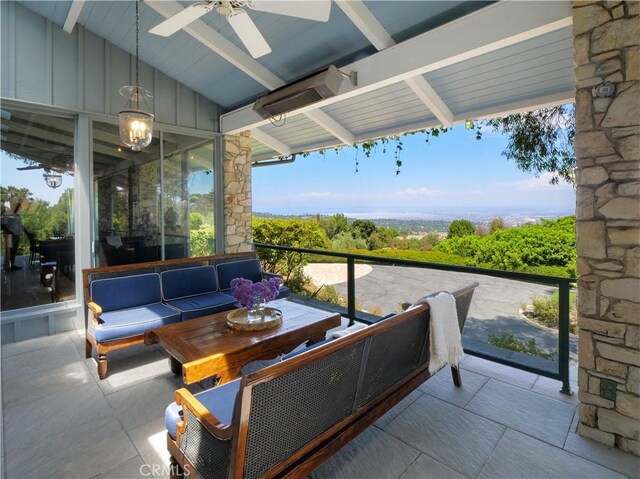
x,y
484,464
412,463
425,453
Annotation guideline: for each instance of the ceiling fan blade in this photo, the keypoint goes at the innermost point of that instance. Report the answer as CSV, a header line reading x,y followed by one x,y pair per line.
x,y
24,168
181,19
248,33
318,10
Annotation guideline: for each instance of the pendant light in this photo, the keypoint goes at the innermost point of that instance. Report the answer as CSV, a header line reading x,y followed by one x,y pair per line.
x,y
136,124
53,180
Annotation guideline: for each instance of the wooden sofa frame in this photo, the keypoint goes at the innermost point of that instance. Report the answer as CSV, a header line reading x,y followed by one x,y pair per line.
x,y
304,460
93,310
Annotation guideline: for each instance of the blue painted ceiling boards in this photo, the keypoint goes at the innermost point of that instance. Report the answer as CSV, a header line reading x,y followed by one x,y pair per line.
x,y
468,73
299,46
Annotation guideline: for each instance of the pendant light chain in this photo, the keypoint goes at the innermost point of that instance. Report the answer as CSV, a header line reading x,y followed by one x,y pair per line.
x,y
137,60
135,123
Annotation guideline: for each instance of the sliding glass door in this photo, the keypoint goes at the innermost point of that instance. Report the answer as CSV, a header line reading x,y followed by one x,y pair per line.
x,y
153,204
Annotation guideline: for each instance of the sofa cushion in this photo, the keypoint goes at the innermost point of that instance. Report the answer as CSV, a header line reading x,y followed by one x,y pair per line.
x,y
220,401
283,293
126,292
133,321
247,269
184,282
203,304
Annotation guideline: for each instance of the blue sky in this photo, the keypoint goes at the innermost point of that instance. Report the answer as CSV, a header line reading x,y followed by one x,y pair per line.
x,y
453,172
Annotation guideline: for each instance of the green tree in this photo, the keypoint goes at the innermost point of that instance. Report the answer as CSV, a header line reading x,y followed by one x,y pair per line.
x,y
335,224
202,240
196,220
11,194
60,215
460,228
288,232
540,141
497,223
345,242
363,228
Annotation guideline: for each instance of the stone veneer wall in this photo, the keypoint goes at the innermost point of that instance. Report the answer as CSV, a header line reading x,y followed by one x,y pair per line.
x,y
607,146
237,193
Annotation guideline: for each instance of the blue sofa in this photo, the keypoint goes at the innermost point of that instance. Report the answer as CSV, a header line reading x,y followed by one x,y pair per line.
x,y
194,292
123,302
248,269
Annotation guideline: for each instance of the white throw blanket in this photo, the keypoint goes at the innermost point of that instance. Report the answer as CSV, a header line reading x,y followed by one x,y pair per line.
x,y
346,331
445,343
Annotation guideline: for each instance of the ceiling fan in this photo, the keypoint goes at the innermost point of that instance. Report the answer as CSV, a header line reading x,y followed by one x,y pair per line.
x,y
240,21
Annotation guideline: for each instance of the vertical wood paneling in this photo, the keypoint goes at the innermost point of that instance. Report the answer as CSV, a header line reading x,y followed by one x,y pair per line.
x,y
119,75
31,55
80,66
208,115
48,80
7,48
166,95
65,69
187,107
94,77
43,64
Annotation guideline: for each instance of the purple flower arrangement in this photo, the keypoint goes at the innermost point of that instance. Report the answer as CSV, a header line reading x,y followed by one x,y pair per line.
x,y
250,294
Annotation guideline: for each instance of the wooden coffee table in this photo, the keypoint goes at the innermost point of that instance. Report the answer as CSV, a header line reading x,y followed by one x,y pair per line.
x,y
206,347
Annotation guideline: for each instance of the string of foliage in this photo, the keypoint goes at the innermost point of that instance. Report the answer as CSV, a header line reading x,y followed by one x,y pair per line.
x,y
538,141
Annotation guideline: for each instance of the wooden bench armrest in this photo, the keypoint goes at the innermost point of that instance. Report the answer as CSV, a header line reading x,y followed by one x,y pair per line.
x,y
187,400
95,307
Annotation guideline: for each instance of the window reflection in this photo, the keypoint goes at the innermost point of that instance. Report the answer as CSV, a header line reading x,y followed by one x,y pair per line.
x,y
37,242
188,196
138,217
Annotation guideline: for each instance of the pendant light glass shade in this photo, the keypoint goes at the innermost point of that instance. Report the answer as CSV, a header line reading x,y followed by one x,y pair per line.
x,y
136,124
53,180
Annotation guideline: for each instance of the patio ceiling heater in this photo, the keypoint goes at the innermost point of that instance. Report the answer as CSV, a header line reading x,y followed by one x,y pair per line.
x,y
136,124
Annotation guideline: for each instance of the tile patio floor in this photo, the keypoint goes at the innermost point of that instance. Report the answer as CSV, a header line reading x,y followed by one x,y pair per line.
x,y
60,421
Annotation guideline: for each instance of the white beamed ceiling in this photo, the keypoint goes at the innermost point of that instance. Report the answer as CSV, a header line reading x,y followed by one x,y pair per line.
x,y
420,63
486,72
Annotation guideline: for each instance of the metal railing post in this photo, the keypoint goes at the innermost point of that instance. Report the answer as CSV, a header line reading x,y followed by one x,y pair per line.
x,y
563,337
351,290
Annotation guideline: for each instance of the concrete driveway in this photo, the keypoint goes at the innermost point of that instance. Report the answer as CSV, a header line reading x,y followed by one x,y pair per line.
x,y
494,308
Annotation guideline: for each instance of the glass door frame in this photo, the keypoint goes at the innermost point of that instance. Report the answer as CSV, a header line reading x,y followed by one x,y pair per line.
x,y
218,171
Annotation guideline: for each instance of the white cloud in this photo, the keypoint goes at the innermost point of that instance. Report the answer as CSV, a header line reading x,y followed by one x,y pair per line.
x,y
416,193
312,194
534,184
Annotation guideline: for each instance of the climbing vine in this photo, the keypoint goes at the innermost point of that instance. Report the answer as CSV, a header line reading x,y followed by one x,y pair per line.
x,y
538,141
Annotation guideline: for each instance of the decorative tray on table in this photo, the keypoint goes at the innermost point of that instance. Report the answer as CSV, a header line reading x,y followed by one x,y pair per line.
x,y
240,319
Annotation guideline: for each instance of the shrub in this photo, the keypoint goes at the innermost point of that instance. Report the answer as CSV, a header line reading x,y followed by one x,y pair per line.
x,y
196,220
288,232
344,242
430,241
550,243
203,241
412,255
460,228
507,340
546,311
496,224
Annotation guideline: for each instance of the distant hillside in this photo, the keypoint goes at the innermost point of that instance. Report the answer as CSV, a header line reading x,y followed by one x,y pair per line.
x,y
410,225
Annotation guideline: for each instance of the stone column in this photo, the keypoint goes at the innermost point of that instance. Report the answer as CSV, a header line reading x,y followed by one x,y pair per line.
x,y
607,147
237,193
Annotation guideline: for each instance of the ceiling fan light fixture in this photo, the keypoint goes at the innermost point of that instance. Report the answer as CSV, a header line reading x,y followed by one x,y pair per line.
x,y
53,180
135,122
